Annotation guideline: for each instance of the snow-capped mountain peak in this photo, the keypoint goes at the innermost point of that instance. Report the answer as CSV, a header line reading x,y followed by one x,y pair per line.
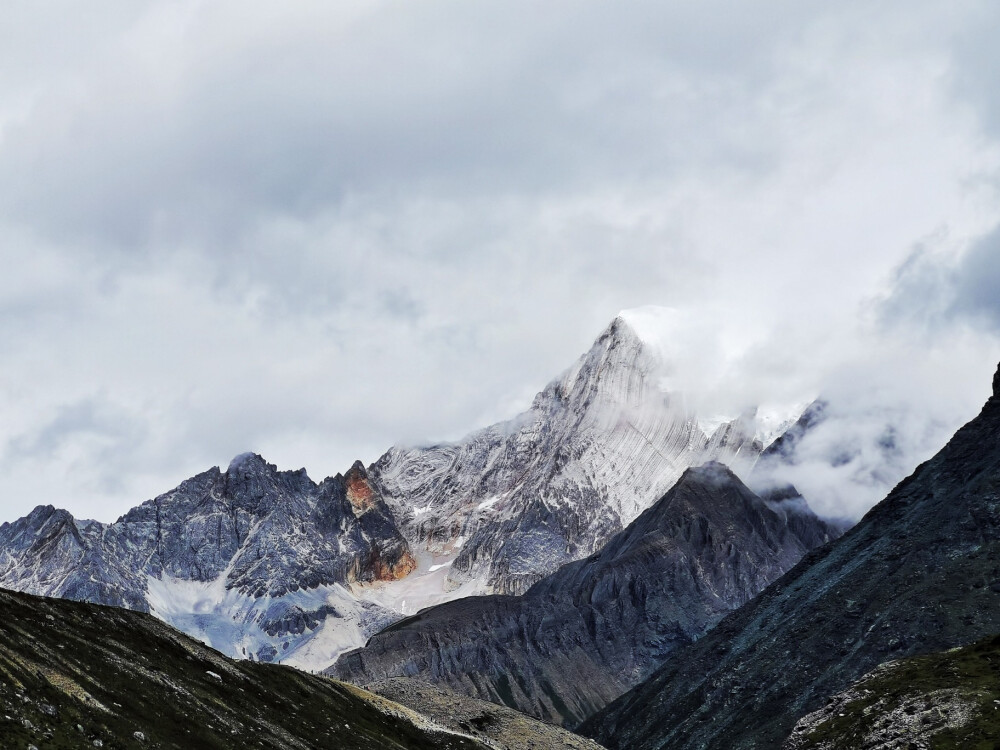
x,y
271,565
600,444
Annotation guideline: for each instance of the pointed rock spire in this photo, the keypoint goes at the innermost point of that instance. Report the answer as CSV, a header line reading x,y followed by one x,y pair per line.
x,y
360,492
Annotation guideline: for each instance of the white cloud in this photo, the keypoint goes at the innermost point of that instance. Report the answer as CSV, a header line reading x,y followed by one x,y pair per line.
x,y
314,230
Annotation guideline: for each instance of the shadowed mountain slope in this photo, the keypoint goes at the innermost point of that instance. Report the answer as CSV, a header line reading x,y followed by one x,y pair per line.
x,y
74,674
920,573
583,635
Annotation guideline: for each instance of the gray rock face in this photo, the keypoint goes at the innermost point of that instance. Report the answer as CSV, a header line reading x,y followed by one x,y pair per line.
x,y
50,553
918,574
513,502
583,635
251,530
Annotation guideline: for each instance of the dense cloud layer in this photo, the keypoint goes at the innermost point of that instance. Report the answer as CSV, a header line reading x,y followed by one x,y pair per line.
x,y
318,229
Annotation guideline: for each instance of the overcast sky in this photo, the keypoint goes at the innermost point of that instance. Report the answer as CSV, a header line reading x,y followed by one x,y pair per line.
x,y
316,229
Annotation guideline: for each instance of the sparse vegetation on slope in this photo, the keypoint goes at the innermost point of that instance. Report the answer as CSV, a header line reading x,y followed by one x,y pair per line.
x,y
76,675
942,701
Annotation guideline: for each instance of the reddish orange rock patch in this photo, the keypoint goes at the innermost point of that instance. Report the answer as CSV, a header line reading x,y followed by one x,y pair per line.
x,y
360,494
376,567
403,567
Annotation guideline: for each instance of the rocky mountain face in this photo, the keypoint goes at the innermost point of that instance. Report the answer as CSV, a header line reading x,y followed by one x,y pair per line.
x,y
270,565
250,559
918,574
75,675
511,503
583,635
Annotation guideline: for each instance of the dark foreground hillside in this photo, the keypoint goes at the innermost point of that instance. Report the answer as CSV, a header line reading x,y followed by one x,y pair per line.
x,y
76,675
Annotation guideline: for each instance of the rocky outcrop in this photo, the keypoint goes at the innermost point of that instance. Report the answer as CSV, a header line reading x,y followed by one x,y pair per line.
x,y
583,635
918,574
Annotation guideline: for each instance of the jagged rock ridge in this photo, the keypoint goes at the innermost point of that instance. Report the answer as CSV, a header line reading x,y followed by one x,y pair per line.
x,y
583,635
249,559
918,574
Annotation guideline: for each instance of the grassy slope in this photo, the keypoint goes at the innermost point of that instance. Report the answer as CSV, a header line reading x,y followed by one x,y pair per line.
x,y
72,673
914,700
